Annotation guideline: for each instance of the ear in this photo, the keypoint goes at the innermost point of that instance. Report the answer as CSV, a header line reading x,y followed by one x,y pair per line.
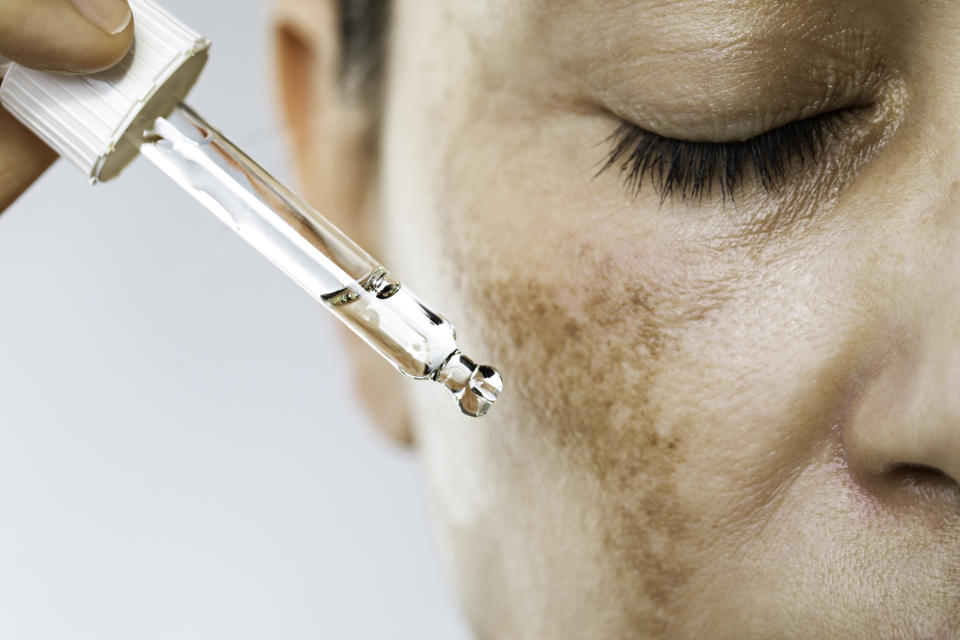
x,y
333,140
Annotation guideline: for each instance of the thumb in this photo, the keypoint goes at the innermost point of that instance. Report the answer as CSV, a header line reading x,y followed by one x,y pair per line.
x,y
73,36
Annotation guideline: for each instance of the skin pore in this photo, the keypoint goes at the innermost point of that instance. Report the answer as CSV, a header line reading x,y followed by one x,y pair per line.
x,y
722,418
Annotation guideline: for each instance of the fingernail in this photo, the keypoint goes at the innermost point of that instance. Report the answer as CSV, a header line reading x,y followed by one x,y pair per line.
x,y
112,16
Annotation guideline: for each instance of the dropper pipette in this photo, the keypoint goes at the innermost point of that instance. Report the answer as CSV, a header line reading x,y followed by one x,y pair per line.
x,y
318,256
101,122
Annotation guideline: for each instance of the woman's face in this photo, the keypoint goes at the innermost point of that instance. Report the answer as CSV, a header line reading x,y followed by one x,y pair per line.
x,y
728,413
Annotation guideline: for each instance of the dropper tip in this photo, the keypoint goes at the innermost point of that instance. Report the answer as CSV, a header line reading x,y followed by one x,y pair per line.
x,y
476,387
482,391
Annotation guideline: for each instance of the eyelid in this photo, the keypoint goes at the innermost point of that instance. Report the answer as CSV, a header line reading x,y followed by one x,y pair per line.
x,y
690,169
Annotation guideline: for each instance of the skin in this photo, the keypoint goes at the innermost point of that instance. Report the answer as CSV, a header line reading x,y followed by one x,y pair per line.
x,y
55,35
725,420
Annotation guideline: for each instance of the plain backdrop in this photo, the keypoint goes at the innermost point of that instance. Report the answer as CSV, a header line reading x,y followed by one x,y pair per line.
x,y
180,453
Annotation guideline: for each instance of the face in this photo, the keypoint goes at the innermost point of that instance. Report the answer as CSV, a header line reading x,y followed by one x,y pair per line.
x,y
731,404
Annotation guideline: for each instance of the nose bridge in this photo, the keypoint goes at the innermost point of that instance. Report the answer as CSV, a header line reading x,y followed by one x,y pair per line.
x,y
910,411
936,284
935,401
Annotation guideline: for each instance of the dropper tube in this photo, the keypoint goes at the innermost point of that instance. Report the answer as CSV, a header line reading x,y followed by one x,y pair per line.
x,y
316,255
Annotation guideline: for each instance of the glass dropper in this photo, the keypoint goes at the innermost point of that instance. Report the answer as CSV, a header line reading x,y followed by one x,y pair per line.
x,y
318,256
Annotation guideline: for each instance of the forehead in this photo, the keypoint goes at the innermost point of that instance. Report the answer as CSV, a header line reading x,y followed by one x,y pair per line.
x,y
718,33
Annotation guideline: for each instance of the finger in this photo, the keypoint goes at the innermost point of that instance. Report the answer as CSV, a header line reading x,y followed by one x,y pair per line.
x,y
23,157
74,36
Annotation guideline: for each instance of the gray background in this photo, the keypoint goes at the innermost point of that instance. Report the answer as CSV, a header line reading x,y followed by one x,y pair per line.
x,y
180,455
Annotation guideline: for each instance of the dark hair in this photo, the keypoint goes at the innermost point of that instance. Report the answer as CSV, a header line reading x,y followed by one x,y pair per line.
x,y
363,27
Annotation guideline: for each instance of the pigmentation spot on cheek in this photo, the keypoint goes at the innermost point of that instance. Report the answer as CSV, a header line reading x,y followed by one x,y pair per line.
x,y
584,362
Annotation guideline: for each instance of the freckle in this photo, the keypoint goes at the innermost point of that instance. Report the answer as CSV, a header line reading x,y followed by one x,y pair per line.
x,y
602,347
640,300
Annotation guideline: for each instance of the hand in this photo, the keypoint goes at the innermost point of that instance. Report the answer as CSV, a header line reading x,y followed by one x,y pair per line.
x,y
68,36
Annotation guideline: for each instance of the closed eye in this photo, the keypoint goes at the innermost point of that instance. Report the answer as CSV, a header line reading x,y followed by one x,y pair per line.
x,y
696,170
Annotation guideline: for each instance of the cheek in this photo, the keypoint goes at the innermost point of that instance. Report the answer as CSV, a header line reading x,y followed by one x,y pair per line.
x,y
580,296
589,305
588,347
668,385
586,309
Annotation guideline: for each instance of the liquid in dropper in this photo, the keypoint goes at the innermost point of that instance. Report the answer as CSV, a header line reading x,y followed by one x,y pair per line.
x,y
318,256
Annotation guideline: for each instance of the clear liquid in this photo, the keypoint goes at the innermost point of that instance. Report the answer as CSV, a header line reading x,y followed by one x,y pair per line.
x,y
316,255
298,240
400,328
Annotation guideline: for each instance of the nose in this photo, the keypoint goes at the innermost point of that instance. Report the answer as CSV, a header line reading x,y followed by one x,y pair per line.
x,y
908,415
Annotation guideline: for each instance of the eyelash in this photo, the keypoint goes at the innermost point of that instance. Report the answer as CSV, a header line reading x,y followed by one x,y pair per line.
x,y
690,170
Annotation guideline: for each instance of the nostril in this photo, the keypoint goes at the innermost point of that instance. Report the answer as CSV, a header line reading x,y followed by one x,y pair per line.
x,y
911,474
